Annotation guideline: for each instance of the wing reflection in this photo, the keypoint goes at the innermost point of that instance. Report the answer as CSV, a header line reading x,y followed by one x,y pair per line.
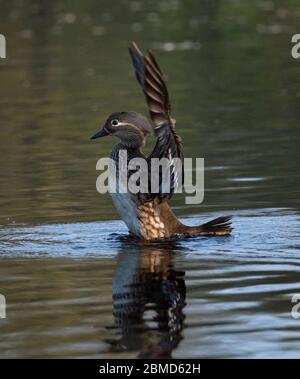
x,y
148,301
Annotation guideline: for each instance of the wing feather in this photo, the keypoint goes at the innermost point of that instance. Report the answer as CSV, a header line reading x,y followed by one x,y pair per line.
x,y
168,144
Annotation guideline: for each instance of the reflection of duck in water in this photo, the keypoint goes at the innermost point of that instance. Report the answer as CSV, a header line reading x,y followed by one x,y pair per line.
x,y
148,300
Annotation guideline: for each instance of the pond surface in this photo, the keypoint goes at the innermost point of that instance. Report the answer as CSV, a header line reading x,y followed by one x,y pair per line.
x,y
87,290
75,284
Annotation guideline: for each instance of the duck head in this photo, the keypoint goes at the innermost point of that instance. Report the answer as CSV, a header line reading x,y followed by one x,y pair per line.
x,y
130,127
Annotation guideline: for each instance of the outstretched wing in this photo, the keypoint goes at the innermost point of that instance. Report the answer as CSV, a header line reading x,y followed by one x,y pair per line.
x,y
168,144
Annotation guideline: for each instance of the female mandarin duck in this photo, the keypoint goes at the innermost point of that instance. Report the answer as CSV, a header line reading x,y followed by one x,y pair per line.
x,y
148,216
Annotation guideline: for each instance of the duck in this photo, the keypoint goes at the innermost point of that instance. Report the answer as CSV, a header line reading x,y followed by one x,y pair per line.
x,y
148,215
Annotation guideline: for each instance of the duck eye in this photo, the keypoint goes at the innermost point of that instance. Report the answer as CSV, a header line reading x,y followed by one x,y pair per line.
x,y
114,122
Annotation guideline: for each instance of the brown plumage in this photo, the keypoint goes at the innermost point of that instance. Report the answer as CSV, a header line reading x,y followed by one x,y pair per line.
x,y
148,215
158,221
151,79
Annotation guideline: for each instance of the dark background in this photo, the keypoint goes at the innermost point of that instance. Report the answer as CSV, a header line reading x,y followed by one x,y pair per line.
x,y
235,92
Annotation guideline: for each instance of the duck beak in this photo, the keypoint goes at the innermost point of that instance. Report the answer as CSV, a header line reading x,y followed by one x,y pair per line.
x,y
100,133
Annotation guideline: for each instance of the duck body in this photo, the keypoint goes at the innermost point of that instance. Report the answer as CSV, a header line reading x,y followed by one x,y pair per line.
x,y
154,219
145,220
147,214
126,203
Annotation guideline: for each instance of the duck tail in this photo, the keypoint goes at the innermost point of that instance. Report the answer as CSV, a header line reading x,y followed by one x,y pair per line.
x,y
220,226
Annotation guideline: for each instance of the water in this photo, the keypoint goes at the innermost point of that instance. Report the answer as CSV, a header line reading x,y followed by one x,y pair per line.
x,y
75,284
87,290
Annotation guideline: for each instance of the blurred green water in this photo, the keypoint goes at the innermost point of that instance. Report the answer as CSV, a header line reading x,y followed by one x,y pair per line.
x,y
235,92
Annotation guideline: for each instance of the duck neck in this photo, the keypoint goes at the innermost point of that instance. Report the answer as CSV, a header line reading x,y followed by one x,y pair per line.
x,y
132,152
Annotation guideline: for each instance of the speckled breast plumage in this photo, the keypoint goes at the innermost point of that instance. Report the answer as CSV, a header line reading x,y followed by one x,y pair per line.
x,y
151,224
